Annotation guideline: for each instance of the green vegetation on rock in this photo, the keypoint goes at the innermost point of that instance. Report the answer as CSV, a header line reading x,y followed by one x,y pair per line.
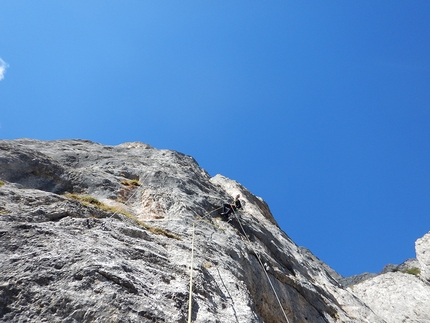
x,y
412,271
89,200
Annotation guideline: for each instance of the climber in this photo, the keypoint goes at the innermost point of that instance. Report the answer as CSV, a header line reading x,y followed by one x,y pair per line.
x,y
231,208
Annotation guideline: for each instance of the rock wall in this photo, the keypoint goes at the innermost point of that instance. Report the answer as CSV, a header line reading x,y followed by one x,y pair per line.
x,y
93,233
422,248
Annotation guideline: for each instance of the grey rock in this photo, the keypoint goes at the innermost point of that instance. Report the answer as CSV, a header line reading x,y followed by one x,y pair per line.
x,y
309,255
400,293
31,168
407,266
93,233
422,248
403,267
356,279
396,297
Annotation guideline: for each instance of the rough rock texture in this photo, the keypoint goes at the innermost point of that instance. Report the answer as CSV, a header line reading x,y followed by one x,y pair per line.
x,y
403,267
353,280
406,266
92,233
397,297
400,294
422,248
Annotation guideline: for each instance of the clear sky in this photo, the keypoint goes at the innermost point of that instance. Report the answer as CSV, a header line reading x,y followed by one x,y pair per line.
x,y
322,108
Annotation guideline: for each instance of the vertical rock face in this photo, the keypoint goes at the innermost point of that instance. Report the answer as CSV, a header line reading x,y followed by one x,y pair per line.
x,y
422,248
92,233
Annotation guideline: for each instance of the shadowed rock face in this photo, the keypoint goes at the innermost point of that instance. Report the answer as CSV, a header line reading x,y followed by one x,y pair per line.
x,y
93,233
31,168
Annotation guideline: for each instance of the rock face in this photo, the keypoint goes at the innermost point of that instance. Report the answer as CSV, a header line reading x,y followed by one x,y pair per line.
x,y
422,247
401,294
92,233
396,297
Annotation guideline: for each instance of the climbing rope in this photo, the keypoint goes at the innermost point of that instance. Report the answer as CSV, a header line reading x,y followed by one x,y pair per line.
x,y
190,297
264,268
255,252
118,208
207,214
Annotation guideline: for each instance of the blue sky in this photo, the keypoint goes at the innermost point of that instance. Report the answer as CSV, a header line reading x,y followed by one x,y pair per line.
x,y
322,108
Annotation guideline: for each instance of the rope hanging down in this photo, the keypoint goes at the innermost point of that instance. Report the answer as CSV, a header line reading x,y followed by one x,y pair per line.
x,y
103,226
192,259
264,268
190,298
116,212
256,253
207,214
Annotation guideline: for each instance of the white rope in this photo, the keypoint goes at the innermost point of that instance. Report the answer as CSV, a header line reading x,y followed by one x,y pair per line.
x,y
190,300
192,260
264,268
103,226
258,257
190,297
207,214
117,210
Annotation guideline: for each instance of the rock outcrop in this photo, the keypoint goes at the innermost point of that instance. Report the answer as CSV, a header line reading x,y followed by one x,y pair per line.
x,y
422,248
93,233
400,294
396,297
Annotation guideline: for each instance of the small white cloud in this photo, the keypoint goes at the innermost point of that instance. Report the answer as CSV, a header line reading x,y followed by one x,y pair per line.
x,y
3,67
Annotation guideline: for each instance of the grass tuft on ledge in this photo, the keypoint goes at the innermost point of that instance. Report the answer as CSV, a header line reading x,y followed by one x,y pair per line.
x,y
130,182
154,230
89,200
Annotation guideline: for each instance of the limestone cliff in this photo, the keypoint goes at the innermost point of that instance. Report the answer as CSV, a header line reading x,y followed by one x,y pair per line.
x,y
93,233
401,294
